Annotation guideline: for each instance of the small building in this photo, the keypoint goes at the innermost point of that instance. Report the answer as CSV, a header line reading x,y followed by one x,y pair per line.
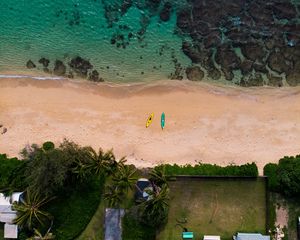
x,y
210,237
10,231
7,214
251,236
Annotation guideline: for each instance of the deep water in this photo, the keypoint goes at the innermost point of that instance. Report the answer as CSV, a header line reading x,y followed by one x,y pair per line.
x,y
247,42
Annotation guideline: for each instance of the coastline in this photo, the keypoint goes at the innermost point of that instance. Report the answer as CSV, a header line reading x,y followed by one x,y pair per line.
x,y
205,122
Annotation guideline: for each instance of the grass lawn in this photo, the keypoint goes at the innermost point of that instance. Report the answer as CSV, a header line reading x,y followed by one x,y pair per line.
x,y
215,206
73,210
95,228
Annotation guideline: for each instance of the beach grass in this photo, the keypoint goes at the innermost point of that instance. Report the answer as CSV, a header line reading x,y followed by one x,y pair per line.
x,y
215,206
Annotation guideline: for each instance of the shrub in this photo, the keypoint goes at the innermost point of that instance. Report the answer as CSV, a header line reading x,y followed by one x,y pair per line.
x,y
284,177
48,146
270,170
249,169
288,174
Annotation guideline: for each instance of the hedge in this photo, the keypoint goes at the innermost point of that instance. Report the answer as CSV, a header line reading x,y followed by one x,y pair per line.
x,y
249,170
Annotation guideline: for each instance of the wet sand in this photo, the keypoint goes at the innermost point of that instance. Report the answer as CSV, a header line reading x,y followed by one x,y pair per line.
x,y
204,122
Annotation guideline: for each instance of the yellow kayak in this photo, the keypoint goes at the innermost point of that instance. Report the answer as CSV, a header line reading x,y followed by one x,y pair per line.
x,y
149,120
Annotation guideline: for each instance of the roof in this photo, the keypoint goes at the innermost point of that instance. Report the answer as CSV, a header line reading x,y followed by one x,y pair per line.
x,y
113,226
187,235
10,231
6,202
15,197
7,217
5,205
251,236
209,237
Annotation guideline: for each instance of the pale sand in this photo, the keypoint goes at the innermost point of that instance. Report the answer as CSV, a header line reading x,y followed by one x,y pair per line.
x,y
207,123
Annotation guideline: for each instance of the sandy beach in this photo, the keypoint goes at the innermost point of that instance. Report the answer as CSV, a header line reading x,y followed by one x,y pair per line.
x,y
204,123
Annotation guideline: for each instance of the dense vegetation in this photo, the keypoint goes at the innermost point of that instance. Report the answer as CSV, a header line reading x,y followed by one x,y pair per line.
x,y
150,215
73,210
67,183
134,229
284,177
62,187
283,181
11,177
249,170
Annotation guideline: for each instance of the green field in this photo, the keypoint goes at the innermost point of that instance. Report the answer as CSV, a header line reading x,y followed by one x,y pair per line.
x,y
215,206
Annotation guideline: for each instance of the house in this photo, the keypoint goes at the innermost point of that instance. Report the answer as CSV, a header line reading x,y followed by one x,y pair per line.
x,y
143,186
251,236
7,214
210,237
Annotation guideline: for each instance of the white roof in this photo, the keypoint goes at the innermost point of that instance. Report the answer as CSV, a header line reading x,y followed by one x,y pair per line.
x,y
4,201
143,180
7,217
10,231
251,236
209,237
15,197
5,205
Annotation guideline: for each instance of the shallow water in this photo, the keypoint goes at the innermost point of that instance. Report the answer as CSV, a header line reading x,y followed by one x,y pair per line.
x,y
39,28
127,41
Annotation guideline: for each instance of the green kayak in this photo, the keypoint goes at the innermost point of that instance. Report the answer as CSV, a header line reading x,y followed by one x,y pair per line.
x,y
162,120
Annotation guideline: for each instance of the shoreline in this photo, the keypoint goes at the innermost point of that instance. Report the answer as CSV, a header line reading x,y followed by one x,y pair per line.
x,y
205,122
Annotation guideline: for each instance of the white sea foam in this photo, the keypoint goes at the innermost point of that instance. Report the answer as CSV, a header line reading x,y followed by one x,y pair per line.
x,y
32,77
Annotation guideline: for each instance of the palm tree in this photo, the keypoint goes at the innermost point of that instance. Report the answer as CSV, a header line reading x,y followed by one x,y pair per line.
x,y
29,211
155,209
114,196
112,165
158,176
103,162
98,164
124,177
81,169
39,236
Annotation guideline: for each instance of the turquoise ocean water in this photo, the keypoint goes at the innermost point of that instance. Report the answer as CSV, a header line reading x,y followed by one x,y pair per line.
x,y
64,29
246,42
